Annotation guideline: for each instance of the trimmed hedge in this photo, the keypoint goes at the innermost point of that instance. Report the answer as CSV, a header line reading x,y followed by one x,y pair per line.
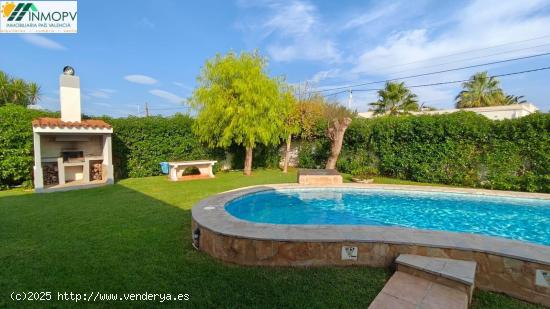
x,y
140,144
16,144
457,149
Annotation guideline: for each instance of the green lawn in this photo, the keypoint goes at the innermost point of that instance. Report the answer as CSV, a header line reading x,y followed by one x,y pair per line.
x,y
134,237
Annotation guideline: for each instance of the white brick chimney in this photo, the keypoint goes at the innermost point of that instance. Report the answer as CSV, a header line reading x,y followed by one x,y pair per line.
x,y
69,95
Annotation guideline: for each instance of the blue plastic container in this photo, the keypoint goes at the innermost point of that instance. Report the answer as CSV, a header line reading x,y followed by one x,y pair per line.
x,y
165,167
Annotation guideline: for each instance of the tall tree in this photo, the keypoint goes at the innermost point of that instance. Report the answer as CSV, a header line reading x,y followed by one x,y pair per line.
x,y
292,124
308,109
33,93
339,118
238,103
480,90
395,99
514,99
17,91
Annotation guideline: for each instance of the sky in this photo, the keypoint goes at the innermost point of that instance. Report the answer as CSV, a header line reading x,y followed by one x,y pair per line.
x,y
128,53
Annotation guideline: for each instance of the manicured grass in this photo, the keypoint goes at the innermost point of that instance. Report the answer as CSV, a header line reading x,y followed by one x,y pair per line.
x,y
134,237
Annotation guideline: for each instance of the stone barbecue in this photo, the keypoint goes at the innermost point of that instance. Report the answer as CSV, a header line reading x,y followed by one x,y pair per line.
x,y
71,153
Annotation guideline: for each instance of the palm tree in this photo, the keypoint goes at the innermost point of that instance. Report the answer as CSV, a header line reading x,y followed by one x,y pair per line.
x,y
395,99
481,90
5,81
514,99
18,93
33,93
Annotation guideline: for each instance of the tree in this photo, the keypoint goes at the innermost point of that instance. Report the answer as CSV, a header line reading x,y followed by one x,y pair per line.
x,y
514,99
339,119
238,103
33,93
292,124
395,99
17,91
480,90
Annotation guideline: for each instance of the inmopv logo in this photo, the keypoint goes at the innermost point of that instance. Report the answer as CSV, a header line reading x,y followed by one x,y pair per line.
x,y
38,17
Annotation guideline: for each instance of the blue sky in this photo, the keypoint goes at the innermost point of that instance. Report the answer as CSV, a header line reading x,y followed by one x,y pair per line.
x,y
131,52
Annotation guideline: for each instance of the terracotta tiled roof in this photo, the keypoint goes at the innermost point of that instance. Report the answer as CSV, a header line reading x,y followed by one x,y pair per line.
x,y
57,122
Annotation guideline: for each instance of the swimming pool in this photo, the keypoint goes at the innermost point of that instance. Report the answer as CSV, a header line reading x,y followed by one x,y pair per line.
x,y
509,217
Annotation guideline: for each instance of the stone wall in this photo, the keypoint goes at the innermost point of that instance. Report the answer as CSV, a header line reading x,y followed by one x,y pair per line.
x,y
494,273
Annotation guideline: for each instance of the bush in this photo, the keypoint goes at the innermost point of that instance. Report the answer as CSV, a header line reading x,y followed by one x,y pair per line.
x,y
16,144
140,144
462,148
457,149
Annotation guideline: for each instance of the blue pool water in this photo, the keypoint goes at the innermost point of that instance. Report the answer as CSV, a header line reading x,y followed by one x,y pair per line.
x,y
514,218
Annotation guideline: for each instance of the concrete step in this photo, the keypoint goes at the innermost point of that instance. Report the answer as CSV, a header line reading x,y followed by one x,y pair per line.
x,y
406,291
456,274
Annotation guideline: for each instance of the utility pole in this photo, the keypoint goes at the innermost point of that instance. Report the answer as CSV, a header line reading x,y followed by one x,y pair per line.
x,y
146,110
350,98
138,110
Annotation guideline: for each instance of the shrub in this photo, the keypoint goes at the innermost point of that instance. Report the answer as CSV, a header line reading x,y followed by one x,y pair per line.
x,y
16,144
458,149
140,144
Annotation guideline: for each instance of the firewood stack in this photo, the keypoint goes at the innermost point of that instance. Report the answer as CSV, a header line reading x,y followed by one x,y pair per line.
x,y
96,171
50,173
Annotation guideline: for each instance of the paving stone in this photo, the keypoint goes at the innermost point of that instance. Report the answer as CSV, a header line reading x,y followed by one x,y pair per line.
x,y
462,271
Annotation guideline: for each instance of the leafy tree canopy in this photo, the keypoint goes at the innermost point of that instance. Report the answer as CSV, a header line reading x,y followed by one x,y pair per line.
x,y
17,91
395,99
238,102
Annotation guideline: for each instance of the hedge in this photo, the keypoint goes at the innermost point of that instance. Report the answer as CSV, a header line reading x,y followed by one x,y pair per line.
x,y
140,144
16,144
457,149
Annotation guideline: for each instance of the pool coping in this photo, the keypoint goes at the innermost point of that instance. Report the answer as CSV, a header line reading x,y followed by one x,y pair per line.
x,y
210,213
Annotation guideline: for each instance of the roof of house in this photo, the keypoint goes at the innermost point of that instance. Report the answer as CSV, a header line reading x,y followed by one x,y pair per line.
x,y
57,122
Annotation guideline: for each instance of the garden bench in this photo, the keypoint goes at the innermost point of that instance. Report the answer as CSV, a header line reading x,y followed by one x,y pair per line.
x,y
204,167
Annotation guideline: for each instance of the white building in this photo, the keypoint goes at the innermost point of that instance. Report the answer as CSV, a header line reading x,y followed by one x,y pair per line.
x,y
512,111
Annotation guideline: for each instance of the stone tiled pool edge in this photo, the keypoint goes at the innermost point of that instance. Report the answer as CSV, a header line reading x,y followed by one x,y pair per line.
x,y
506,266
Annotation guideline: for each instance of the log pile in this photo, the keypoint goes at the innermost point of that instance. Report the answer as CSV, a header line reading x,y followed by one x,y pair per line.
x,y
51,176
96,171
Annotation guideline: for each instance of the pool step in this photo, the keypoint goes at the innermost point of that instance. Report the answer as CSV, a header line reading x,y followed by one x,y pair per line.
x,y
452,273
426,282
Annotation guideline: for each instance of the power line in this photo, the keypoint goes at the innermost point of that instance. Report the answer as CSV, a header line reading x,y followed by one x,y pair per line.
x,y
447,82
473,58
472,50
432,73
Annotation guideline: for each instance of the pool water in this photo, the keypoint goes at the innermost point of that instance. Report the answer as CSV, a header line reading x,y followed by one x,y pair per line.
x,y
514,218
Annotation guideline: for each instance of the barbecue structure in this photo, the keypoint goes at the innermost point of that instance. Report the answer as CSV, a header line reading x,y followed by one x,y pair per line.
x,y
71,153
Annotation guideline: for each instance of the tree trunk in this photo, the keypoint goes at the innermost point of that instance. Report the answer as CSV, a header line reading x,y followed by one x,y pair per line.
x,y
287,153
248,161
336,135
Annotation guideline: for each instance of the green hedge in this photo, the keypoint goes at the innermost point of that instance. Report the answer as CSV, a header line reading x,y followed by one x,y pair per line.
x,y
457,149
140,144
16,144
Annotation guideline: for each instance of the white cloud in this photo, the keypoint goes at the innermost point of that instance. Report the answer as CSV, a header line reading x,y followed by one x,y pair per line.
x,y
42,41
475,27
101,94
326,74
171,97
295,32
182,85
370,16
140,79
